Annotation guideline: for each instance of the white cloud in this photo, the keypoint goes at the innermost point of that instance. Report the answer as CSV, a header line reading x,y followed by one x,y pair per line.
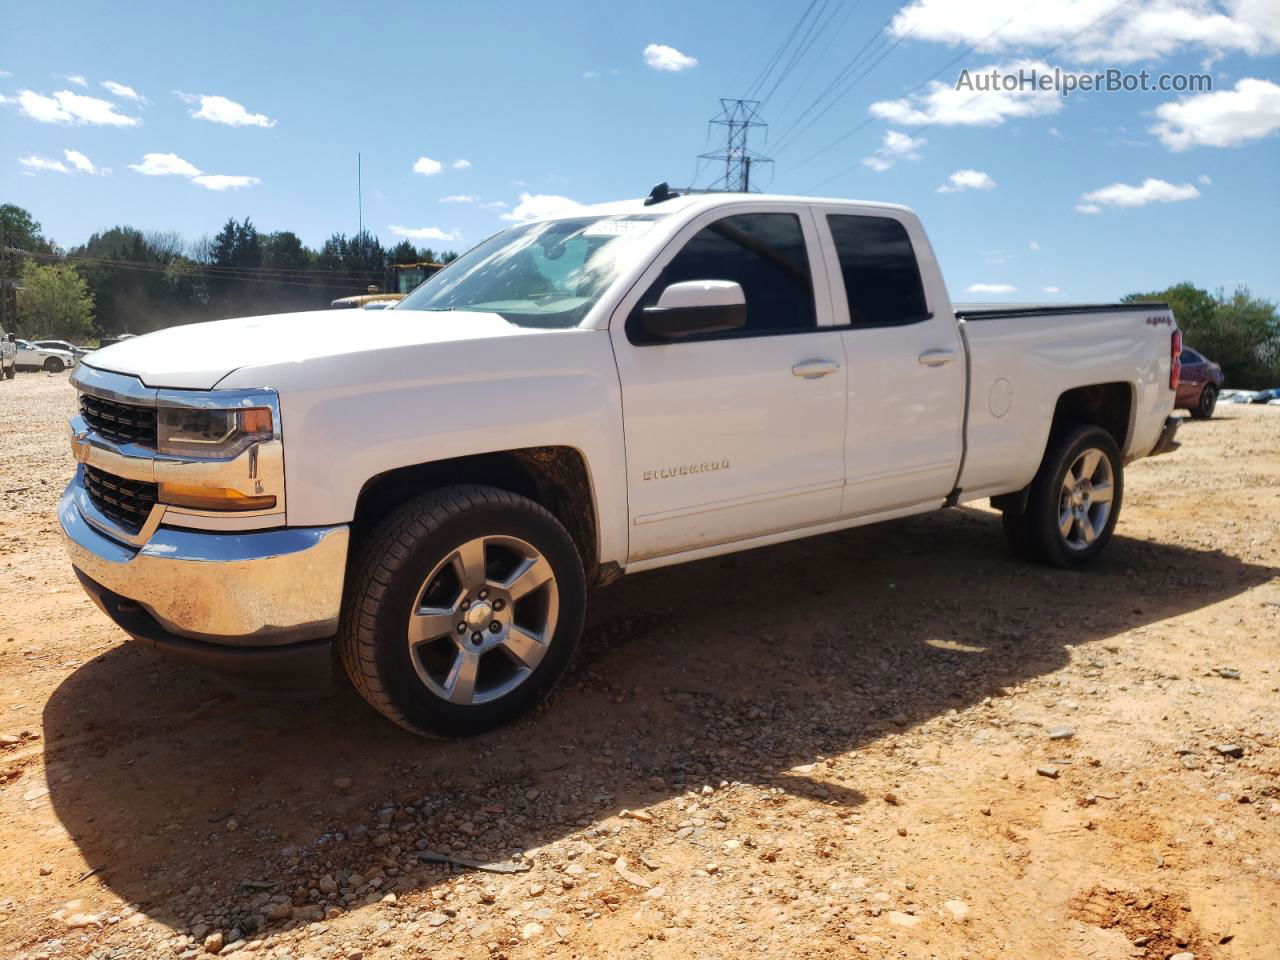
x,y
427,167
121,90
1056,133
494,205
941,103
991,288
75,78
70,108
659,56
423,233
1052,289
33,163
541,206
164,165
1205,179
5,73
1096,30
458,198
218,109
1149,191
894,147
1033,247
224,181
1226,118
970,180
591,75
79,161
461,165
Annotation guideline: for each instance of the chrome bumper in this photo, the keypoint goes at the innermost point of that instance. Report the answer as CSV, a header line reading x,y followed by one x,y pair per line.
x,y
244,589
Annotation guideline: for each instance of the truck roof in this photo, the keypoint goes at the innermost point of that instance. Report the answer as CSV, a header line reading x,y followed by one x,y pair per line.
x,y
686,202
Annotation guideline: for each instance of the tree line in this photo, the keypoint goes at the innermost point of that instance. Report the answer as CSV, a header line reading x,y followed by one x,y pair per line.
x,y
126,280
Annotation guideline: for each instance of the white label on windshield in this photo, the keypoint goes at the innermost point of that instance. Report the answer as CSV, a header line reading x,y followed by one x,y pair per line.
x,y
618,228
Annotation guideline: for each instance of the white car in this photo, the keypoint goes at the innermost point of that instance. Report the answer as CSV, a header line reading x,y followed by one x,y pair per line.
x,y
624,387
33,357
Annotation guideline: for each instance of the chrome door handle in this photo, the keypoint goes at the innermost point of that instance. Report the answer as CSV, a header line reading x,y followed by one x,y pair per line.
x,y
936,358
813,369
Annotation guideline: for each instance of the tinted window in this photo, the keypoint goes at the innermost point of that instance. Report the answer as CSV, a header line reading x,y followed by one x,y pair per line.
x,y
1190,356
763,252
881,277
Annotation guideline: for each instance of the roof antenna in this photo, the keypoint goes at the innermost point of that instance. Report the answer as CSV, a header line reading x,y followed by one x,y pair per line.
x,y
660,193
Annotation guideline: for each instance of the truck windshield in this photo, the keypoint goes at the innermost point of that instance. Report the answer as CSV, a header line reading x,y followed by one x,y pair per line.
x,y
546,274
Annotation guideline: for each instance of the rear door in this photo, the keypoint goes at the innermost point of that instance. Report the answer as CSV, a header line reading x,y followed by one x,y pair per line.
x,y
906,383
737,434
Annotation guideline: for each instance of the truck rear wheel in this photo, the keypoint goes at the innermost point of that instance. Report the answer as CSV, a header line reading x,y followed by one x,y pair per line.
x,y
1075,498
462,610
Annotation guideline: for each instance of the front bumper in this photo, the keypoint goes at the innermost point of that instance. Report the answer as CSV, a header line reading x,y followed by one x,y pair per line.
x,y
252,589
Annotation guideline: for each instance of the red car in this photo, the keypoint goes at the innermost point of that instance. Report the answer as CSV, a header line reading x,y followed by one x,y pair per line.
x,y
1198,385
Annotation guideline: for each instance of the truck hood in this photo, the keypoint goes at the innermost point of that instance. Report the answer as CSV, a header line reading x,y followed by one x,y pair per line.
x,y
198,355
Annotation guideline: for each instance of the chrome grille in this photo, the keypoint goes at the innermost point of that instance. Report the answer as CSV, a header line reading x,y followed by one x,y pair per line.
x,y
126,502
121,422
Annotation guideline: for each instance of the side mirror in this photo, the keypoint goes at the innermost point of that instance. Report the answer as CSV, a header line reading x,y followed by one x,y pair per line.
x,y
695,307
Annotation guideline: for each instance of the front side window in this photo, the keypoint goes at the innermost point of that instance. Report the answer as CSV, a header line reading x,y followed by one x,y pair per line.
x,y
765,254
881,276
547,274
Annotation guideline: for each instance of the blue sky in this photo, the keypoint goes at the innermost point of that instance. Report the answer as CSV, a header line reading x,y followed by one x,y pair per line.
x,y
259,110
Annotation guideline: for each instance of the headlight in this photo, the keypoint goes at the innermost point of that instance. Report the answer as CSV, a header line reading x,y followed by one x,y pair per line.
x,y
210,433
203,435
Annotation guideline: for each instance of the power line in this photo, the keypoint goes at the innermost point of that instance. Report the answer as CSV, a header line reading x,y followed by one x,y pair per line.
x,y
319,279
802,47
937,119
760,80
792,134
832,36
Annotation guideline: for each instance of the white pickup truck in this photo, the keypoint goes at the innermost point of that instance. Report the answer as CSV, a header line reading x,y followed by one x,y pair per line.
x,y
617,389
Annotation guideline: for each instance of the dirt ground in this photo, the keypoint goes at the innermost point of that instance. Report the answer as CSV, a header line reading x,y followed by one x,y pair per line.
x,y
896,741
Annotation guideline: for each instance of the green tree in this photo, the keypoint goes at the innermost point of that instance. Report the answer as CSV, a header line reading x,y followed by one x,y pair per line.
x,y
402,252
54,302
1240,332
18,232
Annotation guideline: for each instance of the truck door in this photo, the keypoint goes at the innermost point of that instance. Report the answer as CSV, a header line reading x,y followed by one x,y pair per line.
x,y
739,433
906,384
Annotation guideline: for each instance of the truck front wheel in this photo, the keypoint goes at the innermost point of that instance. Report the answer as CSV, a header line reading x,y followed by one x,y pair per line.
x,y
1075,498
462,610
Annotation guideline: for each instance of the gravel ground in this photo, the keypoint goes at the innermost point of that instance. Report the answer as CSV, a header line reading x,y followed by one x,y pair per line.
x,y
889,742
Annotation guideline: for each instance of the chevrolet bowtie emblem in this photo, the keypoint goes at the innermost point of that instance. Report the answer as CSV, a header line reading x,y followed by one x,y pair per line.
x,y
80,447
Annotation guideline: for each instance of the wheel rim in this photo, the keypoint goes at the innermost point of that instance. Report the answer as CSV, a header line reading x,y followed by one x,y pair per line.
x,y
1084,504
483,620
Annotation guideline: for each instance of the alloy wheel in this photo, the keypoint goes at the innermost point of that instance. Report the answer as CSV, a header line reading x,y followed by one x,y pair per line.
x,y
483,619
1084,502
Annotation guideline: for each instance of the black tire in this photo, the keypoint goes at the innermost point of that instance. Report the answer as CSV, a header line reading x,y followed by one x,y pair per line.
x,y
54,365
1208,402
1045,499
388,576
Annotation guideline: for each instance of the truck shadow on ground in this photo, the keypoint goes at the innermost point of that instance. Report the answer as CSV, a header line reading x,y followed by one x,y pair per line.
x,y
741,668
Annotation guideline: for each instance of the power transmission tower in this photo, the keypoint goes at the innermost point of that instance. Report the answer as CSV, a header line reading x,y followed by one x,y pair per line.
x,y
739,118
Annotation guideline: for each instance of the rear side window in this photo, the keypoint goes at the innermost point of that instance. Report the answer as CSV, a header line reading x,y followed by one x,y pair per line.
x,y
763,252
881,276
1190,356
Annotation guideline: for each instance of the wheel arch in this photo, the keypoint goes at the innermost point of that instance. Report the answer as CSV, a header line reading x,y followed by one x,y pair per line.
x,y
556,477
1106,405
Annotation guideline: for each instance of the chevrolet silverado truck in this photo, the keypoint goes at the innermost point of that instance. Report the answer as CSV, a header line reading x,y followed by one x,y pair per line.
x,y
620,388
